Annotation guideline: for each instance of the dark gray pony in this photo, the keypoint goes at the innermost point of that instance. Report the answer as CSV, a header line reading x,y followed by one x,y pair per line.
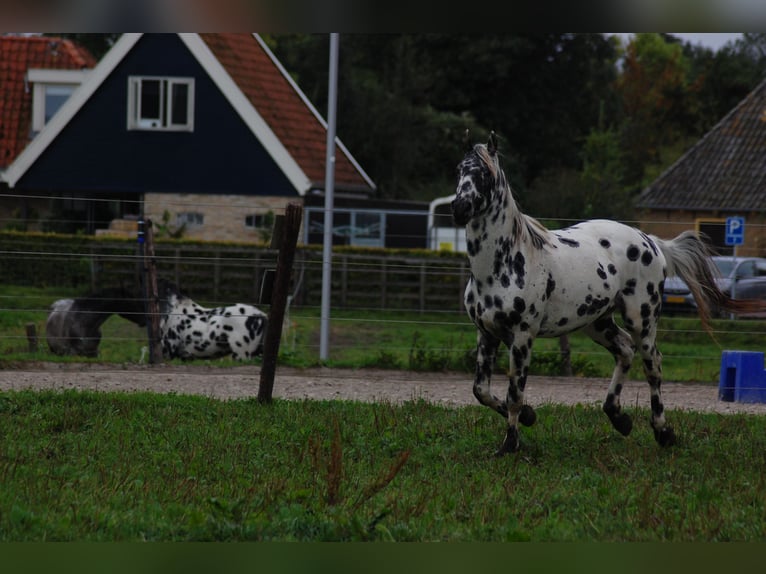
x,y
527,281
74,325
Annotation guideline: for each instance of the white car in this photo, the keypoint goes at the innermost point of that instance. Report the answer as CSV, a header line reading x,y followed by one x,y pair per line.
x,y
739,277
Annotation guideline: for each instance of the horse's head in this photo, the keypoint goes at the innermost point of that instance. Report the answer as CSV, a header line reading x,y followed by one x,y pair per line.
x,y
477,176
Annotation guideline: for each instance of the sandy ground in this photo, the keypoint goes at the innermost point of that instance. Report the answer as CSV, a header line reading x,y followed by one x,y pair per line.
x,y
448,389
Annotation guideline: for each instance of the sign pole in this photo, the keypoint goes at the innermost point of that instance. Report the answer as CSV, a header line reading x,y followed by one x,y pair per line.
x,y
735,236
324,326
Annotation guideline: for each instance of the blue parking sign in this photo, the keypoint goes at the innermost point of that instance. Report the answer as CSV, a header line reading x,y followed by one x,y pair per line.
x,y
735,230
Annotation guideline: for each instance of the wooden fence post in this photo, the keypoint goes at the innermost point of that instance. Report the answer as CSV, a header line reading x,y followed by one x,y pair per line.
x,y
289,239
152,296
32,337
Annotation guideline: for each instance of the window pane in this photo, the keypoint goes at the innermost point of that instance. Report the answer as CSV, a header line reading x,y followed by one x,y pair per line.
x,y
55,96
180,104
368,225
150,99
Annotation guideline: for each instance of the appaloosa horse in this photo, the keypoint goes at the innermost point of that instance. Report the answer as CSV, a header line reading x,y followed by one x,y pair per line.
x,y
73,326
190,331
527,281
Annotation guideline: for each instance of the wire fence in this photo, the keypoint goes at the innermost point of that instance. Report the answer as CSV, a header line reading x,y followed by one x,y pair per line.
x,y
403,291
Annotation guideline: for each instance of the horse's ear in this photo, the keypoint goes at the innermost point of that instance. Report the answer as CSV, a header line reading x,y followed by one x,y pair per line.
x,y
492,143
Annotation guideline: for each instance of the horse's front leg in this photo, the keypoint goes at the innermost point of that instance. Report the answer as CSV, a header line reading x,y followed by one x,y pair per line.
x,y
518,412
486,353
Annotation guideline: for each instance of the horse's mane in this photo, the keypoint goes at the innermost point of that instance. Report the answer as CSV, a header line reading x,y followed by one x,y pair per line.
x,y
524,227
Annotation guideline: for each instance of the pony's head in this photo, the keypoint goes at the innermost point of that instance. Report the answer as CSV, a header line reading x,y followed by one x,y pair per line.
x,y
478,174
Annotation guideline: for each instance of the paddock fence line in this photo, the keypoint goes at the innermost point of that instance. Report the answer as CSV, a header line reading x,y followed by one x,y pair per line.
x,y
212,272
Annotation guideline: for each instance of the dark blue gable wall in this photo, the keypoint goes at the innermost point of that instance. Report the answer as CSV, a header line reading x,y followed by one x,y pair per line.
x,y
95,151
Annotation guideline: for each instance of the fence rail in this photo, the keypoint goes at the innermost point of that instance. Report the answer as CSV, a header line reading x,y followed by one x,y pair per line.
x,y
221,272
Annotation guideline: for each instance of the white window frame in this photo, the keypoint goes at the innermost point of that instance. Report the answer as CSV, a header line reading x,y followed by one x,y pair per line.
x,y
260,217
41,80
190,218
136,122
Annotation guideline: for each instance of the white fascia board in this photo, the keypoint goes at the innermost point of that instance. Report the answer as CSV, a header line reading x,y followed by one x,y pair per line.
x,y
311,107
46,76
247,112
58,122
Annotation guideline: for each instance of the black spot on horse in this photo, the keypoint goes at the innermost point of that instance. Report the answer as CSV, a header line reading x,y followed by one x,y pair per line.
x,y
630,287
550,286
519,305
600,271
654,295
646,310
569,242
650,243
518,269
604,243
646,258
634,253
612,269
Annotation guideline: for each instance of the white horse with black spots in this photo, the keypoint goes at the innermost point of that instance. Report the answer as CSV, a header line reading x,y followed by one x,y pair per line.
x,y
190,331
527,281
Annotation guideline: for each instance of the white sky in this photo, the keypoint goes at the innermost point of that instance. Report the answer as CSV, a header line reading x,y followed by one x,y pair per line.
x,y
714,40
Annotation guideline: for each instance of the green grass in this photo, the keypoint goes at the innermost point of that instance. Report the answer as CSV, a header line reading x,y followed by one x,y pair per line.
x,y
395,340
129,467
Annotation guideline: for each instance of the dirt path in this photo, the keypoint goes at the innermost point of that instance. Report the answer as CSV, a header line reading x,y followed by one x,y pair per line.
x,y
359,385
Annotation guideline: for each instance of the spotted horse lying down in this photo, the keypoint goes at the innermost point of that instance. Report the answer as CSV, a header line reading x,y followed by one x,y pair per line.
x,y
527,281
190,331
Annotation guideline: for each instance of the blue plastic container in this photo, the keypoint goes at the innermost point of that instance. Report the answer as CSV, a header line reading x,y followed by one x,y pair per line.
x,y
743,377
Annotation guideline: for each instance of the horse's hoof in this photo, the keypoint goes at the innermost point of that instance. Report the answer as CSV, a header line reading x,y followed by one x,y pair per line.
x,y
665,436
623,423
527,416
511,442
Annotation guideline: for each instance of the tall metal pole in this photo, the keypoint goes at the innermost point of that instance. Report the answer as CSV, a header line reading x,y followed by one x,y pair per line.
x,y
329,188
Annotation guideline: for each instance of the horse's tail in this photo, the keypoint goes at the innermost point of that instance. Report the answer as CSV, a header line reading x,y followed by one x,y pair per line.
x,y
688,257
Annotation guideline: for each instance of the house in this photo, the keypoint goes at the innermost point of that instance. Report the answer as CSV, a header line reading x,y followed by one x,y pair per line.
x,y
722,176
202,131
37,76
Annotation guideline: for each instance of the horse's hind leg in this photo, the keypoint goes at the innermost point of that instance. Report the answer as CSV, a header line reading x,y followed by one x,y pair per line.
x,y
642,324
606,333
663,433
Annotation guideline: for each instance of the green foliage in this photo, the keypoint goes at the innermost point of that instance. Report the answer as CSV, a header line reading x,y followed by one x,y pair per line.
x,y
166,229
84,466
602,177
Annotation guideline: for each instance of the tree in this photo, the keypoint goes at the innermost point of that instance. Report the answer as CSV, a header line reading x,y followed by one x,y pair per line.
x,y
654,88
96,44
405,100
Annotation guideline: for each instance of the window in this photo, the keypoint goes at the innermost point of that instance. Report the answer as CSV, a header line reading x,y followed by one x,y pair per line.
x,y
55,96
50,90
164,104
361,228
260,220
190,218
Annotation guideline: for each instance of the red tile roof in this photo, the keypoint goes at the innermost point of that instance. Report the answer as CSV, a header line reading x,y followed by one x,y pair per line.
x,y
281,107
17,55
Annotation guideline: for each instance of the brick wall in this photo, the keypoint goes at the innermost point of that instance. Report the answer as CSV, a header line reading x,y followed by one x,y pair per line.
x,y
668,224
224,216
